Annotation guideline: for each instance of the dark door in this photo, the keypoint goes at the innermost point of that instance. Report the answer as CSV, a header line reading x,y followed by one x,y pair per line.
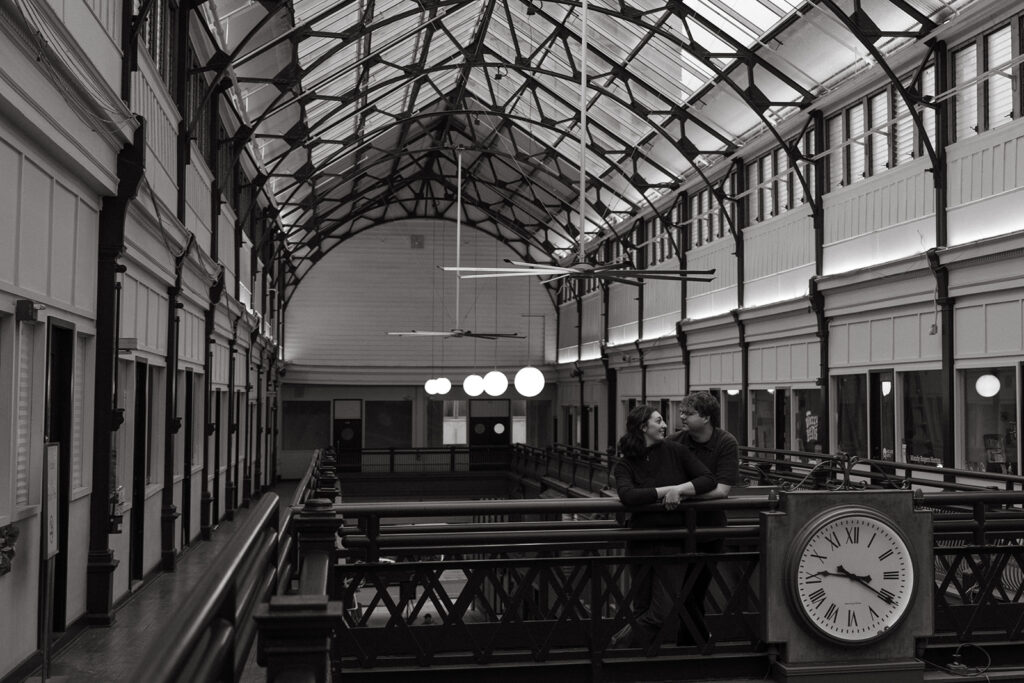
x,y
59,373
186,483
348,433
490,423
782,431
138,519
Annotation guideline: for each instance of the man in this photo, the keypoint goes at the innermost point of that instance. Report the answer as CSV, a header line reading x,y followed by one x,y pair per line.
x,y
719,452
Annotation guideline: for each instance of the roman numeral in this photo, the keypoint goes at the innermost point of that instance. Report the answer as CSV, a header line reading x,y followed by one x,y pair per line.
x,y
817,597
886,595
851,618
812,578
820,557
884,555
872,540
833,539
853,535
891,575
872,612
832,613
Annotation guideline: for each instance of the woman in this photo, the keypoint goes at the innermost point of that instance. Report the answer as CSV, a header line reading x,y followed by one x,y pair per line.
x,y
654,470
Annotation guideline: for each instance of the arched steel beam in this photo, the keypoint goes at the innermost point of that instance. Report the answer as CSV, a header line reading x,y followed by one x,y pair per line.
x,y
355,212
538,167
425,171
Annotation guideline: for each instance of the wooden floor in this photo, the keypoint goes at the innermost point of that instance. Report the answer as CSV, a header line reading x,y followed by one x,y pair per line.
x,y
102,654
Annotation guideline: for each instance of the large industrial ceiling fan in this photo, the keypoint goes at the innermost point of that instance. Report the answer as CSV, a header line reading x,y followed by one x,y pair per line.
x,y
458,332
621,272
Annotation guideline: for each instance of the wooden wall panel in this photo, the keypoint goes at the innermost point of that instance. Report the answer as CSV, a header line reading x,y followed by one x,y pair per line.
x,y
10,193
706,299
197,200
714,368
151,99
593,320
48,231
990,328
986,167
661,308
622,314
34,228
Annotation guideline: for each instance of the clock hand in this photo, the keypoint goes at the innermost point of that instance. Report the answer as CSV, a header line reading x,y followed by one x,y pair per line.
x,y
846,572
864,582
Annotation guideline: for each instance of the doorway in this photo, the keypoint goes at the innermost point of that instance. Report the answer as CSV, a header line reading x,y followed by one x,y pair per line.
x,y
137,530
59,412
186,482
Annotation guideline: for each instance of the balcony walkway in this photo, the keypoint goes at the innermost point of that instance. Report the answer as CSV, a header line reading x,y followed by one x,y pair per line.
x,y
103,654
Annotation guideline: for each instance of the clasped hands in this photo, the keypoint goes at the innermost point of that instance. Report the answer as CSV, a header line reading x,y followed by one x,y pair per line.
x,y
673,497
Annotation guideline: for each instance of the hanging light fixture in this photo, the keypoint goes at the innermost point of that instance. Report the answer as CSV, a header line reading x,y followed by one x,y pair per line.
x,y
473,385
430,386
529,381
733,392
495,383
886,387
442,385
988,385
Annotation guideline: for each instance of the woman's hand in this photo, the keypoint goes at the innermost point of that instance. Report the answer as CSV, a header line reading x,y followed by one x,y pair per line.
x,y
673,496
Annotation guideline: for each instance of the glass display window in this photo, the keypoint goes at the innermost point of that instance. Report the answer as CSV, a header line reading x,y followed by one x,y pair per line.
x,y
809,421
923,418
851,415
990,420
762,413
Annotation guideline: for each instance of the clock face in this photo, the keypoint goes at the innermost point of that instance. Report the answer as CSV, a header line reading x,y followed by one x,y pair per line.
x,y
852,576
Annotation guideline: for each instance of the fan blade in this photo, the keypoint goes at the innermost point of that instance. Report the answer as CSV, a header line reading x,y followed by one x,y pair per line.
x,y
420,333
494,335
537,266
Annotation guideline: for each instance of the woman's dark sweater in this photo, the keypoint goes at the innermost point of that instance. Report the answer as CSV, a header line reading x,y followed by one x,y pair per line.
x,y
665,463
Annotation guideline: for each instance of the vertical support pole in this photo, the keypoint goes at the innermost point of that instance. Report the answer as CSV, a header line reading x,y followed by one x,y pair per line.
x,y
742,220
230,485
131,165
247,453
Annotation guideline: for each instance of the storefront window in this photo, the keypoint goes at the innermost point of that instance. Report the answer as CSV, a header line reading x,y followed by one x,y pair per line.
x,y
454,424
883,416
808,420
732,409
851,415
762,410
923,417
990,415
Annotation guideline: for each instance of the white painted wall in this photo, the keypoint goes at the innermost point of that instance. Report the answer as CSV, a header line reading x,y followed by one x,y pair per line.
x,y
376,283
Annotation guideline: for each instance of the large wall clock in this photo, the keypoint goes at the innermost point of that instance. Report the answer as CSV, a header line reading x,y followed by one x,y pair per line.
x,y
852,575
846,585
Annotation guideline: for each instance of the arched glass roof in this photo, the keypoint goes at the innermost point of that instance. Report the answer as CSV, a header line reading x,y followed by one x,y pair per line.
x,y
356,108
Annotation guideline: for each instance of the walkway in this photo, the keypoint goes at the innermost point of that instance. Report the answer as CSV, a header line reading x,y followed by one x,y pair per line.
x,y
103,654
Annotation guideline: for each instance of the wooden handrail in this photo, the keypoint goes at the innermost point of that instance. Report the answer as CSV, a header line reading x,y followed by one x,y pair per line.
x,y
209,637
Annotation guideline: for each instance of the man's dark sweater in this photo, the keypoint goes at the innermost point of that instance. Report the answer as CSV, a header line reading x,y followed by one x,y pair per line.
x,y
662,464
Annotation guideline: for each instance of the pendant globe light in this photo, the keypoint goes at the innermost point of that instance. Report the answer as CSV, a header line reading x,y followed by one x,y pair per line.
x,y
473,385
430,386
495,383
442,385
529,381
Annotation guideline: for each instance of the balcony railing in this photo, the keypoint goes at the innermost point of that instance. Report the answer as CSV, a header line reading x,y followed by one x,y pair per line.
x,y
543,584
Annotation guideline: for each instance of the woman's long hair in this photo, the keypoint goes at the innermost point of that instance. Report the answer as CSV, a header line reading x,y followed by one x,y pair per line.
x,y
632,444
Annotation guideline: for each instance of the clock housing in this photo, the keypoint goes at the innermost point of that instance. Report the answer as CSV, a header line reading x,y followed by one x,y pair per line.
x,y
852,575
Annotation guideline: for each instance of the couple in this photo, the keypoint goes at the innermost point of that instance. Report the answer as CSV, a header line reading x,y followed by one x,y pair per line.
x,y
699,462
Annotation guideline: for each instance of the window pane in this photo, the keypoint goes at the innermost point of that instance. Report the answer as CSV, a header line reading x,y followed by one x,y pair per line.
x,y
904,127
732,405
879,139
965,70
923,417
927,113
855,116
998,88
808,420
762,407
851,415
990,415
834,128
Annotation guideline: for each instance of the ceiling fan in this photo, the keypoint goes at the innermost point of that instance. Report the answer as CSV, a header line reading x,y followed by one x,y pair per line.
x,y
621,272
458,332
